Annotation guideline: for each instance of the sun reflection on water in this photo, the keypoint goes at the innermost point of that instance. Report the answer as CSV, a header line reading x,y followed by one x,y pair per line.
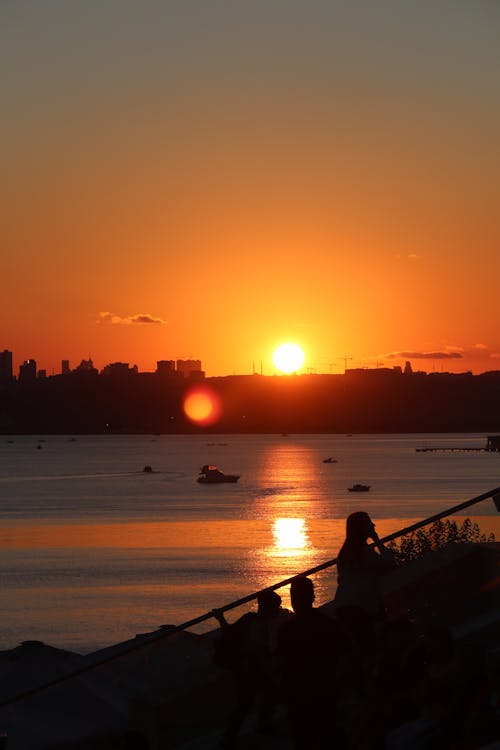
x,y
290,534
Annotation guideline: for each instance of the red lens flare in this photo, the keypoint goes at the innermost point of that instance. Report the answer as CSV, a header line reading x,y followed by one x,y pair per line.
x,y
202,406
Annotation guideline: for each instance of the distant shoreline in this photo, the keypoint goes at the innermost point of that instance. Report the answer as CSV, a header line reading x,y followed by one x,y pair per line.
x,y
210,433
364,402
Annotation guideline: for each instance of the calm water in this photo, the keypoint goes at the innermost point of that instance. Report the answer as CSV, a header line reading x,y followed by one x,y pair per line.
x,y
95,551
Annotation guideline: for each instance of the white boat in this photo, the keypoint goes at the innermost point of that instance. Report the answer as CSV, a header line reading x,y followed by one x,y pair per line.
x,y
210,474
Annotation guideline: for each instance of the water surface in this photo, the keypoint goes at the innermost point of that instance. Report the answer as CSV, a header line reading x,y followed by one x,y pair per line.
x,y
94,550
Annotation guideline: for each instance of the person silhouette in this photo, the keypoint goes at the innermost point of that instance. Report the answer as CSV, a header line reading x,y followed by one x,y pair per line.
x,y
313,658
247,648
360,568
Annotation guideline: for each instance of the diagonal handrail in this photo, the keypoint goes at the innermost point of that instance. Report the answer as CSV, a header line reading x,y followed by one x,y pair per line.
x,y
134,645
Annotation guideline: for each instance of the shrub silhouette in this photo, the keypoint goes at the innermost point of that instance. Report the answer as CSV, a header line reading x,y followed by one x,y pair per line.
x,y
440,534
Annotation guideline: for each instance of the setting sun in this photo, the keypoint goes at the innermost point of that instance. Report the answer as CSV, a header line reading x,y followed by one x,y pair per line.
x,y
288,358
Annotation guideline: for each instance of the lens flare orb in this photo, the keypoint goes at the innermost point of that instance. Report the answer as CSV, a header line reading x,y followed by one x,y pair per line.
x,y
202,406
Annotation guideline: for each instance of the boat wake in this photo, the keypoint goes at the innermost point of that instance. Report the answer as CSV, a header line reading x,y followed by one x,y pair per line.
x,y
95,475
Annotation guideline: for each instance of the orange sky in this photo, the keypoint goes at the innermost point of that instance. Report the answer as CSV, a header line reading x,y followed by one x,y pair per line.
x,y
241,175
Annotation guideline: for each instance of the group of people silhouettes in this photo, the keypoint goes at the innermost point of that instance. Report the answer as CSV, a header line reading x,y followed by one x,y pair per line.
x,y
349,677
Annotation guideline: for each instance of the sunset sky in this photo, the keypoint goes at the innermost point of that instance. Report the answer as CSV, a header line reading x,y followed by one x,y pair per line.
x,y
211,178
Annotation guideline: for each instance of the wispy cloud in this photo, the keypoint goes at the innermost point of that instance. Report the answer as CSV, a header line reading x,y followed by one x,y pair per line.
x,y
425,355
110,318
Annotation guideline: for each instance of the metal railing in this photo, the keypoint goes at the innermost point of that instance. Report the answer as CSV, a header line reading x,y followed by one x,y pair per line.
x,y
136,644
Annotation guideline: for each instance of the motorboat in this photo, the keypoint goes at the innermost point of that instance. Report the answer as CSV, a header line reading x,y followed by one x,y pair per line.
x,y
210,474
359,488
330,460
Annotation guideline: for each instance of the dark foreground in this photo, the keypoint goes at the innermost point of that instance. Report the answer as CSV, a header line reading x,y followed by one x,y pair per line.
x,y
169,693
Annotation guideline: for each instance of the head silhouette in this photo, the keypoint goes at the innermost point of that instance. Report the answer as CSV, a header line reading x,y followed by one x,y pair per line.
x,y
268,602
359,527
302,594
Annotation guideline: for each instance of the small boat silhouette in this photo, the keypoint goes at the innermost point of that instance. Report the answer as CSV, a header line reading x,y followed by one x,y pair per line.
x,y
359,488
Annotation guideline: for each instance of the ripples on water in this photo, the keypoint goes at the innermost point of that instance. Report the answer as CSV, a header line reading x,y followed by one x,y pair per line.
x,y
95,550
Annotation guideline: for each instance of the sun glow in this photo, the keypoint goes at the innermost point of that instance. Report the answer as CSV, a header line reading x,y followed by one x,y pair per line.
x,y
288,358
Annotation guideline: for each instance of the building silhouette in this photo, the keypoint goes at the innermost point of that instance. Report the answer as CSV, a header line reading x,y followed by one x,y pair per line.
x,y
115,369
27,371
165,367
188,366
86,365
5,366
